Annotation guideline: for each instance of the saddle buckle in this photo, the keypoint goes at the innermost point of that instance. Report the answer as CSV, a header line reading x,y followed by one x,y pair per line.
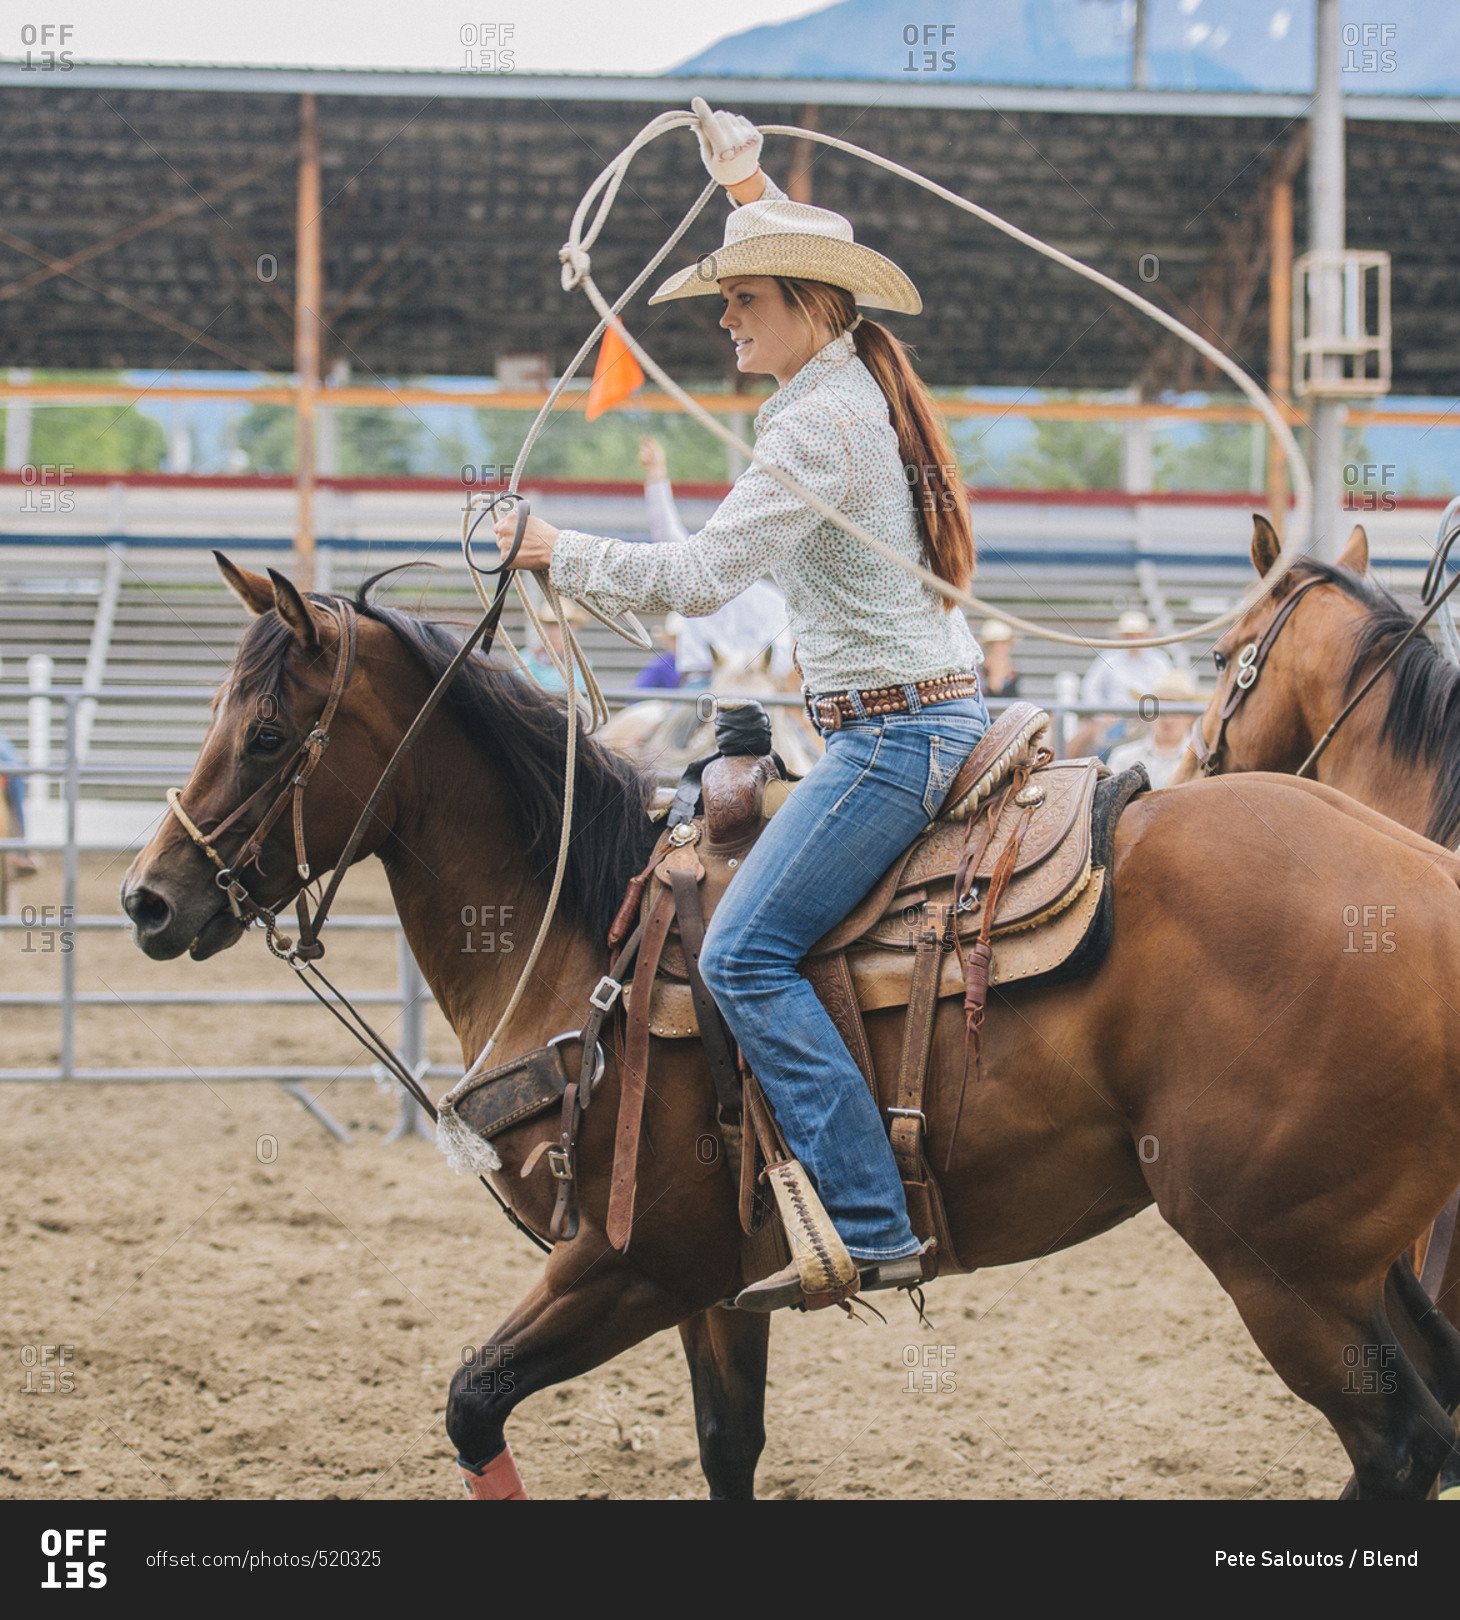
x,y
560,1162
605,993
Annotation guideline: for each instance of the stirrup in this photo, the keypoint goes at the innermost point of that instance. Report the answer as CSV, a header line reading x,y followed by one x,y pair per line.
x,y
783,1288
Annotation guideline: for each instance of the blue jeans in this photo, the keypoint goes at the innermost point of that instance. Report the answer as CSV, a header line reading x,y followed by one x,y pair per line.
x,y
879,784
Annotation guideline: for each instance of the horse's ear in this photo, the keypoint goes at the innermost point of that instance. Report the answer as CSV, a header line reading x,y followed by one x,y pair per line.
x,y
253,590
1355,556
1265,544
295,611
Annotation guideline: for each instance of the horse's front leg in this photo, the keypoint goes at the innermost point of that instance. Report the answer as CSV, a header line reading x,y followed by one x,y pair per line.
x,y
572,1321
726,1351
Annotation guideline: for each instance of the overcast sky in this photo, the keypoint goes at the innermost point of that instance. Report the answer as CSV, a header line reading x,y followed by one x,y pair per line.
x,y
548,36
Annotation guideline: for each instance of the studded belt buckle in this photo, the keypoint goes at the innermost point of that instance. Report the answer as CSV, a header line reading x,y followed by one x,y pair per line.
x,y
828,714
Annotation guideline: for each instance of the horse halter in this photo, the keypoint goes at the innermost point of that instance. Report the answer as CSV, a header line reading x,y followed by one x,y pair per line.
x,y
1254,655
1249,666
295,775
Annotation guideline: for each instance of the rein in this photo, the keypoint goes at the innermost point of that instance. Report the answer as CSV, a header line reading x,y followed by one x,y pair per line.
x,y
304,954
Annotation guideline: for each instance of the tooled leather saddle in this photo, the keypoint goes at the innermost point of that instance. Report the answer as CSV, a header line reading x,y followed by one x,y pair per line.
x,y
1008,884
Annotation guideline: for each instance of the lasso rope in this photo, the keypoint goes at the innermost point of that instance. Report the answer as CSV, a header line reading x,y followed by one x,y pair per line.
x,y
576,272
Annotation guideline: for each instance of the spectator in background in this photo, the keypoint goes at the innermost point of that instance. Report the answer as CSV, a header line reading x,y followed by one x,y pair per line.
x,y
743,629
998,676
539,664
663,670
22,862
1118,676
1162,748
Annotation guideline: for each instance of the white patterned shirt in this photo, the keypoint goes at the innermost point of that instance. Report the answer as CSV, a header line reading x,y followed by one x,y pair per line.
x,y
858,619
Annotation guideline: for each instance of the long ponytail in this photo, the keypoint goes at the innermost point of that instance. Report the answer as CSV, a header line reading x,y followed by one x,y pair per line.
x,y
929,465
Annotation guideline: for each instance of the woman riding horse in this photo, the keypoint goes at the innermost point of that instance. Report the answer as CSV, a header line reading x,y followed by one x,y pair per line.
x,y
889,669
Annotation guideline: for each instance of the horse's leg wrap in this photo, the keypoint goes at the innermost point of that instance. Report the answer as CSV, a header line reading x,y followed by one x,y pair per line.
x,y
495,1481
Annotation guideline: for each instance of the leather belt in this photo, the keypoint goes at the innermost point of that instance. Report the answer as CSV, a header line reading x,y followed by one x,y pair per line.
x,y
832,710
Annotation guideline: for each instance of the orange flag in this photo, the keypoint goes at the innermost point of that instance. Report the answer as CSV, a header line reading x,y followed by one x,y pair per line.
x,y
615,377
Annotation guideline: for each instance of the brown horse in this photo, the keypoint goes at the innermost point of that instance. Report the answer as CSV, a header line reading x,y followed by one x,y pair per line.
x,y
1228,1060
1398,752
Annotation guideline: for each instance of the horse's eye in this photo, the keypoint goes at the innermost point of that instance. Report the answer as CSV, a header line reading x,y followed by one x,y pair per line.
x,y
265,741
1220,660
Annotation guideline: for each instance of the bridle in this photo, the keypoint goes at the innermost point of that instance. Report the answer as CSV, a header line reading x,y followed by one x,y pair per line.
x,y
305,761
1254,655
1249,666
295,775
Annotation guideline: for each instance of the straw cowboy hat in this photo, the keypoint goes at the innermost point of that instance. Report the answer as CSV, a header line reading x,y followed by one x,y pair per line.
x,y
1175,686
777,237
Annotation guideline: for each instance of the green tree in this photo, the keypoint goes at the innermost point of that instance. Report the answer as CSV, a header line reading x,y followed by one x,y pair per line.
x,y
379,443
572,447
1067,455
97,438
266,437
1219,458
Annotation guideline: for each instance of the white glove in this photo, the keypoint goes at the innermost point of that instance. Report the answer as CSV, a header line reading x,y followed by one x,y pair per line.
x,y
729,144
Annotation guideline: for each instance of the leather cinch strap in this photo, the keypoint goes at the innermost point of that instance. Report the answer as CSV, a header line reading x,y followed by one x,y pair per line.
x,y
634,1074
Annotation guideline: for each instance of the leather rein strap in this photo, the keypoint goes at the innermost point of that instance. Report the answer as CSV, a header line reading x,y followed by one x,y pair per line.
x,y
1249,665
1254,656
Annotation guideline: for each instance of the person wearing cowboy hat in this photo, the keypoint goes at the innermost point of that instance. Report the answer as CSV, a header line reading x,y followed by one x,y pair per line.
x,y
998,677
1119,675
1163,747
888,669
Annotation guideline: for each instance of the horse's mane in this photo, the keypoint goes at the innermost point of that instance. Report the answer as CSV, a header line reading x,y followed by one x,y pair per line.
x,y
1422,723
522,732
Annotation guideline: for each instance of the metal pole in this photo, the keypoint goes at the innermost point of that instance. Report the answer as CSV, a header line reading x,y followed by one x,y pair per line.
x,y
1326,233
40,670
803,155
1138,48
308,288
1279,337
410,1116
69,885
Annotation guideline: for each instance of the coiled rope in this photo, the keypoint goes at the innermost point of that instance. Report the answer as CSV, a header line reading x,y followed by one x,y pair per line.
x,y
577,264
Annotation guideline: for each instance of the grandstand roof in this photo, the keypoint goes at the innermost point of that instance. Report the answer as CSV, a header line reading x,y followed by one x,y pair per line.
x,y
447,196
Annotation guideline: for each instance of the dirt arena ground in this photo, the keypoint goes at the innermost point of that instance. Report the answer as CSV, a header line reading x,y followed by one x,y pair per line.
x,y
253,1309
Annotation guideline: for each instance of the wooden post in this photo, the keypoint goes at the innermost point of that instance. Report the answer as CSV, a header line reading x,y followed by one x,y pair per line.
x,y
803,155
1279,336
308,291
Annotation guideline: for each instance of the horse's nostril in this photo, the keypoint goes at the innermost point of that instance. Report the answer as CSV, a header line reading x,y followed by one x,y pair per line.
x,y
147,909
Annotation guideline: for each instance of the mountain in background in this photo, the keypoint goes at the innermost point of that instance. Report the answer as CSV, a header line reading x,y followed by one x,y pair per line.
x,y
1400,47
